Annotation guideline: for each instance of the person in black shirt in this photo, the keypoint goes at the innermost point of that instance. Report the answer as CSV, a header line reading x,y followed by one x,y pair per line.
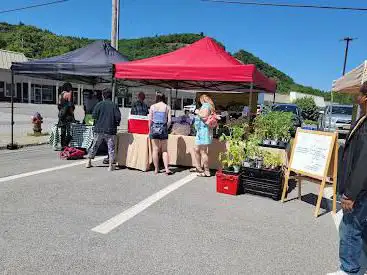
x,y
66,113
352,185
107,118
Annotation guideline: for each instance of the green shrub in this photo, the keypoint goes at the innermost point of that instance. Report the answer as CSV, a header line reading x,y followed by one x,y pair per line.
x,y
308,107
274,125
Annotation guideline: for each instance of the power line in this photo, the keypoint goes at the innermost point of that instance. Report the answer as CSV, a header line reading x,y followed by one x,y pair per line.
x,y
34,6
286,5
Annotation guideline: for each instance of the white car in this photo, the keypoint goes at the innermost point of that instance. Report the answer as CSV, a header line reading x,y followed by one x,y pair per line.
x,y
190,108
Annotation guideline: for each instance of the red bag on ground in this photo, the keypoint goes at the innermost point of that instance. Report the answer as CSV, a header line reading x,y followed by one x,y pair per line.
x,y
71,153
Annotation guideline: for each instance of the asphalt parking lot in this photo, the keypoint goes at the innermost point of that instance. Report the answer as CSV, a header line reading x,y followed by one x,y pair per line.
x,y
163,224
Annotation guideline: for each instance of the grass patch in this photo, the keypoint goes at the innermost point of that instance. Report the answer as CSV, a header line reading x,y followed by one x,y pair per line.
x,y
38,134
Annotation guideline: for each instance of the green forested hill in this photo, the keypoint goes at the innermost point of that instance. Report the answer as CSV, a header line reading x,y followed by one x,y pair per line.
x,y
38,43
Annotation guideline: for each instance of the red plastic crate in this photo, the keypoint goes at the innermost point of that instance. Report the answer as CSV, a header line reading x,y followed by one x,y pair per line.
x,y
227,184
138,126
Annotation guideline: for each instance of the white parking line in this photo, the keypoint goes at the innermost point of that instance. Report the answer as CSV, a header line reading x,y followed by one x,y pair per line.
x,y
37,172
119,219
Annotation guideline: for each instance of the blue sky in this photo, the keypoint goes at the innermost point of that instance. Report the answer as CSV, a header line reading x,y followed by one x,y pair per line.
x,y
302,43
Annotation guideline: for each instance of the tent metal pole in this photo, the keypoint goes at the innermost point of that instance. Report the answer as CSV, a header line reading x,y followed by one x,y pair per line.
x,y
250,99
175,102
113,87
12,146
274,98
331,109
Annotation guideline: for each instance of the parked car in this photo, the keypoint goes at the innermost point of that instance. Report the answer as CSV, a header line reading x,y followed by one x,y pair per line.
x,y
291,108
191,108
336,118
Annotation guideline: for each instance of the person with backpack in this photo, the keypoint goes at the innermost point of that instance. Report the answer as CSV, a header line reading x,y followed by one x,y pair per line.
x,y
159,123
205,121
107,117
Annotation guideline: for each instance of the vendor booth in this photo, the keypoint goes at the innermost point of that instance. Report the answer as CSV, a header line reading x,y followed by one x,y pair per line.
x,y
92,64
351,82
203,66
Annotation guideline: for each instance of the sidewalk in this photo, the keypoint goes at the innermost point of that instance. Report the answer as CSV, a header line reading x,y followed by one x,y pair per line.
x,y
23,140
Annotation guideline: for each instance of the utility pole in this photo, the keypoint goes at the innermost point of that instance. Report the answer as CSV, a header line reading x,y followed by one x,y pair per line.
x,y
347,40
115,23
115,36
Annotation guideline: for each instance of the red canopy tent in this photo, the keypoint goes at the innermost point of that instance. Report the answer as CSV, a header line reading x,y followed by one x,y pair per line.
x,y
203,65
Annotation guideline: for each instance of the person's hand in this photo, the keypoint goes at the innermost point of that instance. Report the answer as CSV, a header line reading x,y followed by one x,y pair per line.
x,y
196,111
347,204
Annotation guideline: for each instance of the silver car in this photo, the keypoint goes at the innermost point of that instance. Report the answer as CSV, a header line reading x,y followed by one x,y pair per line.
x,y
336,118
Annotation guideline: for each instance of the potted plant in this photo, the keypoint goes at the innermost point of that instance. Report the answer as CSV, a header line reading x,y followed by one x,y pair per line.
x,y
262,130
266,180
285,128
235,155
275,125
228,179
272,161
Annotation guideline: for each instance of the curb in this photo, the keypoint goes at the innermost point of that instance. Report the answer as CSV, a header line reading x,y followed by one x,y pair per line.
x,y
4,147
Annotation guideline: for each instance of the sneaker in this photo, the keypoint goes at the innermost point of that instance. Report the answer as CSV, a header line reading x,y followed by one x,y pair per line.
x,y
88,164
106,161
111,167
339,272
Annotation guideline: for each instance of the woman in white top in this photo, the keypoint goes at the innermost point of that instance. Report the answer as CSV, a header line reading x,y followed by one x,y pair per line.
x,y
159,123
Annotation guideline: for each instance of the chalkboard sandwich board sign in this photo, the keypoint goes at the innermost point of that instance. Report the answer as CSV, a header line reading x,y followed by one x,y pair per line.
x,y
314,155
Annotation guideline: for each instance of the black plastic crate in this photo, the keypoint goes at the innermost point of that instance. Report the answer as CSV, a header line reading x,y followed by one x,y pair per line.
x,y
263,182
265,175
261,188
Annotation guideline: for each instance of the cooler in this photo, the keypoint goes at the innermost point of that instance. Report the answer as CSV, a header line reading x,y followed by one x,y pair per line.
x,y
138,124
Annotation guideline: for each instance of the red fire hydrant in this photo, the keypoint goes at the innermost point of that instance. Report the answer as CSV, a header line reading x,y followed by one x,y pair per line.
x,y
37,120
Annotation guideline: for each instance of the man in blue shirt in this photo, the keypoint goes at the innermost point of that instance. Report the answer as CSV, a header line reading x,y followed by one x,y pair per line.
x,y
139,108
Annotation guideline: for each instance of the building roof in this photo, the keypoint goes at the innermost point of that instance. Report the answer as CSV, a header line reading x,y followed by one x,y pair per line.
x,y
7,57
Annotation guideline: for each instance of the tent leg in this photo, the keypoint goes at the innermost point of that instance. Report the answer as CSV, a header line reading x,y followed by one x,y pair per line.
x,y
175,102
250,100
113,89
331,110
274,98
12,146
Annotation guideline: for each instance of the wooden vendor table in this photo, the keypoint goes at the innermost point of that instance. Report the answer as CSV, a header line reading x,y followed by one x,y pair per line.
x,y
135,151
181,151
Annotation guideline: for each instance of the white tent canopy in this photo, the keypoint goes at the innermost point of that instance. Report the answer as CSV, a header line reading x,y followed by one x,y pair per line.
x,y
351,82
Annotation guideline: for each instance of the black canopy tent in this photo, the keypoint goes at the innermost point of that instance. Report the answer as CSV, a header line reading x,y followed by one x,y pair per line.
x,y
91,64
